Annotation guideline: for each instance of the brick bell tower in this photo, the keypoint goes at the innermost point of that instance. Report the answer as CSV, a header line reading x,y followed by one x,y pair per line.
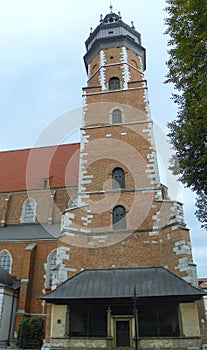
x,y
121,216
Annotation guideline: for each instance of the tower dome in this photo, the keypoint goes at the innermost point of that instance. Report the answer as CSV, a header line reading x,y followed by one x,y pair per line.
x,y
113,32
111,18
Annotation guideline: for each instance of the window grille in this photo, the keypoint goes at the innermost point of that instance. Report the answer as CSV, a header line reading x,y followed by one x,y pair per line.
x,y
29,211
5,260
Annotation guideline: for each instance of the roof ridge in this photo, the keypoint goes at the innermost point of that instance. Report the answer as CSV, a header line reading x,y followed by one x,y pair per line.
x,y
38,147
125,268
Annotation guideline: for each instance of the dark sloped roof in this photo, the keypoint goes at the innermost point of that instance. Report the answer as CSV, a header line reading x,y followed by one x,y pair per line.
x,y
29,232
6,280
121,283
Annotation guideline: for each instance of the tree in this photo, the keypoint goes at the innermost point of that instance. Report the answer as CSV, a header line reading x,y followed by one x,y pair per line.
x,y
30,333
187,70
201,211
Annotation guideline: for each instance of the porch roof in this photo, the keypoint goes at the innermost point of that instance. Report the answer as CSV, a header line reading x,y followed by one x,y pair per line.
x,y
30,232
123,283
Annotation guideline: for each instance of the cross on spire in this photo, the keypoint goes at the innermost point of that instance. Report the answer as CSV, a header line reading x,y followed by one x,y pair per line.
x,y
111,6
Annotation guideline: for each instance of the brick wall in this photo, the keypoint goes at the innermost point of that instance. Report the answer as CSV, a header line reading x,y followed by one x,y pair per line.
x,y
11,204
28,265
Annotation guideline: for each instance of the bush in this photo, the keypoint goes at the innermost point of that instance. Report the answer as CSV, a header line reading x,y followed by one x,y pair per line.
x,y
30,333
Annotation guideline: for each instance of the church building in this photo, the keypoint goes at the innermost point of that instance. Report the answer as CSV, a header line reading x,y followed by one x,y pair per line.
x,y
99,249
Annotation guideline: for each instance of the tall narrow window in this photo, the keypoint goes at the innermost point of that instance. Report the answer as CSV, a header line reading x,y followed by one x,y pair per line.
x,y
51,264
5,260
116,116
119,218
29,211
114,84
118,178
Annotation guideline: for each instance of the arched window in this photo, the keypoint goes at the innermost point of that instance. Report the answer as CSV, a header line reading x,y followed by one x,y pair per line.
x,y
6,260
114,84
118,178
51,264
116,116
119,218
29,211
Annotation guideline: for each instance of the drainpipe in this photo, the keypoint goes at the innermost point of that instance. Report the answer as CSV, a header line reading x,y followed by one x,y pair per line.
x,y
135,319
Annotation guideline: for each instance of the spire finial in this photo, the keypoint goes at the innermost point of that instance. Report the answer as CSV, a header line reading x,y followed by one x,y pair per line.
x,y
111,6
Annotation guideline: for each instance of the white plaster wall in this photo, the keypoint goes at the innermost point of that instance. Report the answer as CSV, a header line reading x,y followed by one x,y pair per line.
x,y
58,321
189,318
6,298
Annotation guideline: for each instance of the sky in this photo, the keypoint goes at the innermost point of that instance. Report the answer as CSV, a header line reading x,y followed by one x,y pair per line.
x,y
42,74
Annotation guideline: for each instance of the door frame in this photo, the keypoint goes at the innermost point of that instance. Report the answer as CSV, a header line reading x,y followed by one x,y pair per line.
x,y
123,318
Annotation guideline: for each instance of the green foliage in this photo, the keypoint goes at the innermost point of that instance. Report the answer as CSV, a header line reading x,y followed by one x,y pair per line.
x,y
187,64
30,333
201,211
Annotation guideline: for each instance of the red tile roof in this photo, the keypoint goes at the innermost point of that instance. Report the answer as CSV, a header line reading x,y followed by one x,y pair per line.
x,y
25,169
202,283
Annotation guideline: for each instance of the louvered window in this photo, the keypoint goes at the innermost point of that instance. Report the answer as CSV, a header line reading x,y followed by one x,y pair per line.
x,y
118,178
116,116
119,218
114,84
